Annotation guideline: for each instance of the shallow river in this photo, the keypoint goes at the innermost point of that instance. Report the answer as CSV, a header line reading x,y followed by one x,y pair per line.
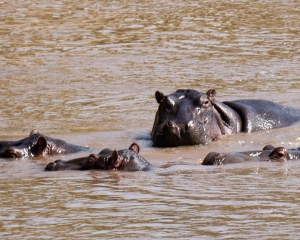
x,y
86,72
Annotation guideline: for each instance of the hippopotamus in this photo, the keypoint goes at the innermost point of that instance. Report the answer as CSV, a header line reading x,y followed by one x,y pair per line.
x,y
36,145
107,159
268,153
189,117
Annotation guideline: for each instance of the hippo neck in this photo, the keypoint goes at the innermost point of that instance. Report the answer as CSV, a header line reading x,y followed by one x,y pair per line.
x,y
256,114
57,146
230,121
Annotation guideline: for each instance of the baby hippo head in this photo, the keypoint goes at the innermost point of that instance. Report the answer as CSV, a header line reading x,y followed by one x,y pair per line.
x,y
127,159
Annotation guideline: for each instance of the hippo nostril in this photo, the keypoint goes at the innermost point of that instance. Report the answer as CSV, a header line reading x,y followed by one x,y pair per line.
x,y
189,125
10,153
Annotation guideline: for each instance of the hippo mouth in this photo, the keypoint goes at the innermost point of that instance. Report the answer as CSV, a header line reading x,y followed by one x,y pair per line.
x,y
171,135
167,136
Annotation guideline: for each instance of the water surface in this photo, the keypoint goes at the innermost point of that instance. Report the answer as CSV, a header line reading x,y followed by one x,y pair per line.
x,y
87,71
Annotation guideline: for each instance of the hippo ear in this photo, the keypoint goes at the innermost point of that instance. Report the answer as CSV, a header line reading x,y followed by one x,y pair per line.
x,y
159,96
115,160
34,131
134,147
40,146
211,94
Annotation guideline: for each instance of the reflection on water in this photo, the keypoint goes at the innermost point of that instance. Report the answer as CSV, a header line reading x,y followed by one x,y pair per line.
x,y
86,71
229,202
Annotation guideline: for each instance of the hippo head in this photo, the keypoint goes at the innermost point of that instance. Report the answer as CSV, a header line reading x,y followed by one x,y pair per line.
x,y
128,159
279,154
116,160
32,146
186,117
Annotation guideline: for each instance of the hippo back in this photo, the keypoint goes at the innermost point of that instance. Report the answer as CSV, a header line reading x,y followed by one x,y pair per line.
x,y
263,114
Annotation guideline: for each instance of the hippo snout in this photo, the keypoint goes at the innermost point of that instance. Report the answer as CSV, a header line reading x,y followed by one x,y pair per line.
x,y
213,158
173,133
180,128
13,153
51,166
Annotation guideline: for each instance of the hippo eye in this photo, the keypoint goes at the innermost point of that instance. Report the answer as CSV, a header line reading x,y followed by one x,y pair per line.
x,y
169,105
205,104
168,108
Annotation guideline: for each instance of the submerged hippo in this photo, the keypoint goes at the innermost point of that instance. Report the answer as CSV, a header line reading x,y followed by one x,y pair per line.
x,y
189,117
126,160
269,153
35,145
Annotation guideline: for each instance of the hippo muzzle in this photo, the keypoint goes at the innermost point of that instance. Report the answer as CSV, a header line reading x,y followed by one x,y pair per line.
x,y
13,152
172,134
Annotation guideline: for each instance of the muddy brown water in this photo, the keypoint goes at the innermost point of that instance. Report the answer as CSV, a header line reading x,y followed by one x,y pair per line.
x,y
86,72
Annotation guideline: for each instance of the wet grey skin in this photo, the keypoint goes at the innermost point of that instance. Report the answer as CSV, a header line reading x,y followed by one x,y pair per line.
x,y
37,144
189,117
122,160
268,153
